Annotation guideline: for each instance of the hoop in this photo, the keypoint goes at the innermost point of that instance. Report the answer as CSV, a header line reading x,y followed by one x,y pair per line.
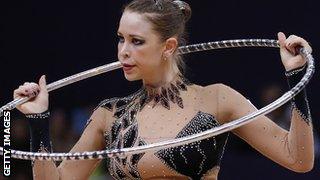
x,y
175,142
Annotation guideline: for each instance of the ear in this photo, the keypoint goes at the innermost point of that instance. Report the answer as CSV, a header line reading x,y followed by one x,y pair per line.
x,y
171,45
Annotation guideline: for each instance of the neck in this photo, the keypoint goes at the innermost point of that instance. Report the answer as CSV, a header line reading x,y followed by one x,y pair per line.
x,y
164,91
161,77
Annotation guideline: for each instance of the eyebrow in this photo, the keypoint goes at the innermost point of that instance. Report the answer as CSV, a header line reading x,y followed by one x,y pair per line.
x,y
131,35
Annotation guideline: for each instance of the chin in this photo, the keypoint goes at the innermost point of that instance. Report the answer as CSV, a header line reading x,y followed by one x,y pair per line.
x,y
131,77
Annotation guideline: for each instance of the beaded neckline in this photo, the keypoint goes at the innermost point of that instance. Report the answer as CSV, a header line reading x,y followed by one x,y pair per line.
x,y
164,94
125,109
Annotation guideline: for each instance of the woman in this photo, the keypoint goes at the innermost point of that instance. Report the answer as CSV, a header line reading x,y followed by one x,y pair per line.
x,y
168,107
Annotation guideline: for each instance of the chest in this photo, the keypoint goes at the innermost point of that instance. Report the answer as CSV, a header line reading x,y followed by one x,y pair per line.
x,y
137,123
160,124
192,160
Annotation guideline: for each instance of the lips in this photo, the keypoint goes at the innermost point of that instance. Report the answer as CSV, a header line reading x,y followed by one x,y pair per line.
x,y
127,67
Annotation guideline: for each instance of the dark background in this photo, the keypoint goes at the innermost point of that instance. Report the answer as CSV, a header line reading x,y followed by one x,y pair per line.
x,y
60,38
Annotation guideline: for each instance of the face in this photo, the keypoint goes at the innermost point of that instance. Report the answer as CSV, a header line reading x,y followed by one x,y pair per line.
x,y
139,49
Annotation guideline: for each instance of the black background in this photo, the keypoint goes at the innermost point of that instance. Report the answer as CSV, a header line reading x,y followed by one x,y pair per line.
x,y
60,38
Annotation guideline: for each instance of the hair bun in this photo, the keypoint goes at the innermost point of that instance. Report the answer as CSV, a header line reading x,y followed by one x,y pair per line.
x,y
185,9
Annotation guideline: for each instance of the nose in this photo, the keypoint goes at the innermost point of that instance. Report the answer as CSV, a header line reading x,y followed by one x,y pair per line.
x,y
124,51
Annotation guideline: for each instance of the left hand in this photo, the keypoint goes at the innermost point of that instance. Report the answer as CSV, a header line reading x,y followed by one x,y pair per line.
x,y
290,57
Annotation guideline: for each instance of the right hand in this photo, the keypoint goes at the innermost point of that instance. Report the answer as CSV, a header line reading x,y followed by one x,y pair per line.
x,y
39,101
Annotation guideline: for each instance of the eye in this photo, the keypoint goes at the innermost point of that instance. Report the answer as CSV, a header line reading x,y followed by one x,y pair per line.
x,y
136,41
120,39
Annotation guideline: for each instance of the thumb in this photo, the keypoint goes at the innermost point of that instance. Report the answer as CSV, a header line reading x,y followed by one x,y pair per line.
x,y
43,83
282,38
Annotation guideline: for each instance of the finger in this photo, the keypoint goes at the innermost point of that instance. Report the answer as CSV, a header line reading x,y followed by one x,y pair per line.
x,y
35,87
295,42
34,92
298,41
27,89
30,89
33,84
290,38
288,44
20,92
16,94
43,84
281,38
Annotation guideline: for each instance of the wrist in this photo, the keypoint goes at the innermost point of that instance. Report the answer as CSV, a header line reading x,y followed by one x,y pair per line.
x,y
39,110
294,66
298,71
299,102
42,115
39,131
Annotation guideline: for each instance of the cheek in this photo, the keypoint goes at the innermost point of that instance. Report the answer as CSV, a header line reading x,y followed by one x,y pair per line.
x,y
147,57
118,51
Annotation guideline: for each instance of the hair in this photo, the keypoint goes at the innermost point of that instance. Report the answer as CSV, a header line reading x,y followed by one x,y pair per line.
x,y
168,18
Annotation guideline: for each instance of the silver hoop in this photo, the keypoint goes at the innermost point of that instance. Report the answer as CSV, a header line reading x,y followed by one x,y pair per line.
x,y
175,142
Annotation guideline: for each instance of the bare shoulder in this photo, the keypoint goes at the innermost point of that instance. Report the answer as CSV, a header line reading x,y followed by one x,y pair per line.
x,y
218,87
207,97
212,91
103,115
221,90
220,100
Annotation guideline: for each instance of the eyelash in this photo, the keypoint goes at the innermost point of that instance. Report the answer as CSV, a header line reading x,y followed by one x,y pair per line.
x,y
121,39
134,40
137,41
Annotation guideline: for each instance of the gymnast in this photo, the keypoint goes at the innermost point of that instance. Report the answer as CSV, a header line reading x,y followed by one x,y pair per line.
x,y
168,106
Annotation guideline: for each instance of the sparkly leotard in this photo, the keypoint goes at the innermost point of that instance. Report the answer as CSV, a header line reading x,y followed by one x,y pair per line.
x,y
136,124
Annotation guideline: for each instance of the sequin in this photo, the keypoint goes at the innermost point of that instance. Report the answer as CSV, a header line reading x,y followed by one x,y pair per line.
x,y
125,110
195,159
192,160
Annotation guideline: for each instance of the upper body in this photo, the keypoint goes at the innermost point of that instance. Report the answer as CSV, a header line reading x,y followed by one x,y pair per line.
x,y
166,119
149,34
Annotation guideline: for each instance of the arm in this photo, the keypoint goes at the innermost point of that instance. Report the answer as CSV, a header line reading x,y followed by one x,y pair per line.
x,y
91,140
293,150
